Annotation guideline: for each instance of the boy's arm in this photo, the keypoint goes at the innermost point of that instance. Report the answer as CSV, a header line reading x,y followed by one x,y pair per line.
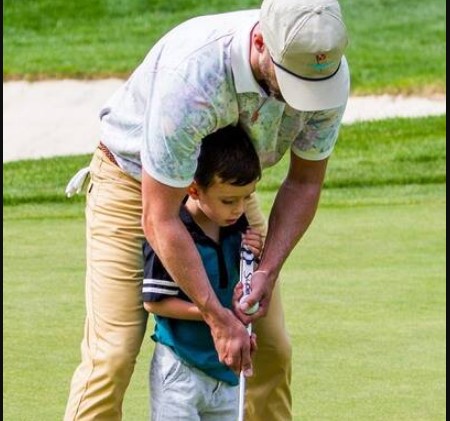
x,y
161,294
174,308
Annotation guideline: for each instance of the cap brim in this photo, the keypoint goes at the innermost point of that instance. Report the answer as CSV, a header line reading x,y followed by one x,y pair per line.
x,y
308,95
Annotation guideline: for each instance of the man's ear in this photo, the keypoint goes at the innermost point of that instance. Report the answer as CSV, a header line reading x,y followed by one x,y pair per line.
x,y
257,40
193,190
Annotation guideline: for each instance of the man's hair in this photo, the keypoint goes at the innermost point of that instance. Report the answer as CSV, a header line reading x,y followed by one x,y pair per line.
x,y
229,154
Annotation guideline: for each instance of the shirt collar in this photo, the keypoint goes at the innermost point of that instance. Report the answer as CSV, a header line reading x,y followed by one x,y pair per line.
x,y
244,80
200,237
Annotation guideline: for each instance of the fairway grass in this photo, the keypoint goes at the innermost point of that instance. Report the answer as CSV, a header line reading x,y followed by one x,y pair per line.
x,y
364,298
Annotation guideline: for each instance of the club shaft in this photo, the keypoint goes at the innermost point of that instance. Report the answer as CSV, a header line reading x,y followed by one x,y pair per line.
x,y
241,396
246,271
242,386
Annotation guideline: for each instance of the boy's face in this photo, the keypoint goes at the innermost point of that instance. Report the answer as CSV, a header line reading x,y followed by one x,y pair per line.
x,y
223,203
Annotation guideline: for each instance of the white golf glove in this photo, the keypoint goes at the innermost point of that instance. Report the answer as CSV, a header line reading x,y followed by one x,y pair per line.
x,y
77,182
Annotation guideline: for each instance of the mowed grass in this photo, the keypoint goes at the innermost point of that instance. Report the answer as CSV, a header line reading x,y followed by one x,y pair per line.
x,y
364,291
381,153
364,299
395,46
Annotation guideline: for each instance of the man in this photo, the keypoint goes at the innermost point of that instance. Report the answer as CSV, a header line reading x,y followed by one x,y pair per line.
x,y
280,72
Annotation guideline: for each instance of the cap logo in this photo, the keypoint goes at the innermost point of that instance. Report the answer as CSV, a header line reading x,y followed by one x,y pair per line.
x,y
321,63
320,58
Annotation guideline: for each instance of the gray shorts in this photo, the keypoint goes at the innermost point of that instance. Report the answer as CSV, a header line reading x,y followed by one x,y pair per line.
x,y
179,391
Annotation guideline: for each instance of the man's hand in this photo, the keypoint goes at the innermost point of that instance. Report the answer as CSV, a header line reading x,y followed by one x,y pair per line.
x,y
262,288
232,341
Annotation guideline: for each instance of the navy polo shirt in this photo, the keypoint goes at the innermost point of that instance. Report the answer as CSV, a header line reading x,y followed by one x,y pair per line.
x,y
192,340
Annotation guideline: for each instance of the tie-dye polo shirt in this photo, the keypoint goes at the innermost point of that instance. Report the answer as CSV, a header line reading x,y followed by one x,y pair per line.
x,y
195,80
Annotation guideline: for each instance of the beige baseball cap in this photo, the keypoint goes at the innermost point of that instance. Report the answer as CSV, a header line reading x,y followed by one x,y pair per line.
x,y
306,40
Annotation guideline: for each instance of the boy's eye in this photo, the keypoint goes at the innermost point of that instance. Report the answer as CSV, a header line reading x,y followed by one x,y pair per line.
x,y
227,202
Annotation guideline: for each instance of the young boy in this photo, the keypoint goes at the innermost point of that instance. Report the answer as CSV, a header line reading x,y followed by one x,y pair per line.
x,y
187,381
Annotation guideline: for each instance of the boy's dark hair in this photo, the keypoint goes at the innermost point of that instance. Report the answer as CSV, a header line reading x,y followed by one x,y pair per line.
x,y
229,154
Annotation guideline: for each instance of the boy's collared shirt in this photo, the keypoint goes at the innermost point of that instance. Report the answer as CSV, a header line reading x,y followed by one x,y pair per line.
x,y
192,340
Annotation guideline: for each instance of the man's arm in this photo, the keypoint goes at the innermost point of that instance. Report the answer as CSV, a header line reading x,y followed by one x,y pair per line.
x,y
176,249
292,212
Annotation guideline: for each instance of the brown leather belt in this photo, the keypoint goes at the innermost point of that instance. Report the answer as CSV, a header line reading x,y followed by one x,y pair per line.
x,y
108,153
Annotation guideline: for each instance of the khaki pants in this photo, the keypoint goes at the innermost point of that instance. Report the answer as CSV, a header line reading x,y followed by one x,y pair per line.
x,y
116,321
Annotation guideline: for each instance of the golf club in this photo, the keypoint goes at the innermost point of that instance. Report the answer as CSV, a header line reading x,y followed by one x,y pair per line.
x,y
246,272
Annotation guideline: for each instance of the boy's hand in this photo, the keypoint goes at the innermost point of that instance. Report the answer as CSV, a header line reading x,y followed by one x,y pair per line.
x,y
252,238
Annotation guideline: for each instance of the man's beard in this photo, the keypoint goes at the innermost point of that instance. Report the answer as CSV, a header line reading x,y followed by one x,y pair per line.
x,y
271,91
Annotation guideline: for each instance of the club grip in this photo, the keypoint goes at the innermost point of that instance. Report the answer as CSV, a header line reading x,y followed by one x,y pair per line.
x,y
246,272
247,260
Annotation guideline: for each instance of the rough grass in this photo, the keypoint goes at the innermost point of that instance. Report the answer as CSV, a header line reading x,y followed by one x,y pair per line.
x,y
381,153
395,46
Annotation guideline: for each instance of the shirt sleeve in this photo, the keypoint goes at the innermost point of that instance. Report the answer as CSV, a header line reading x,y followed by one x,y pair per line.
x,y
180,116
157,283
318,138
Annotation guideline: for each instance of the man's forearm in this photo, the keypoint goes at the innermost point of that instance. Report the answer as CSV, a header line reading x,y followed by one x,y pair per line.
x,y
179,255
292,212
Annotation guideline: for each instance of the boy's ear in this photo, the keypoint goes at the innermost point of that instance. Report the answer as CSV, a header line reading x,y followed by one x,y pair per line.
x,y
193,190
